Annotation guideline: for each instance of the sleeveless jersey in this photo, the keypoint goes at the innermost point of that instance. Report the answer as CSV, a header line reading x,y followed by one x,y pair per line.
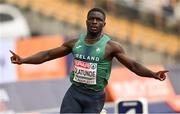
x,y
90,69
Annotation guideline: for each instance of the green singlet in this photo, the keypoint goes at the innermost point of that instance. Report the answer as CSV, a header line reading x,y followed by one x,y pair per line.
x,y
90,69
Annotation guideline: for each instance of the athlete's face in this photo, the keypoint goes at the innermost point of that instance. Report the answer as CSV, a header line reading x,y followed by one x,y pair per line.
x,y
95,22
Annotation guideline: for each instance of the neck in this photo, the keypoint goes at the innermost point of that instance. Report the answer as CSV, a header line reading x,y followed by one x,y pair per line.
x,y
91,39
93,36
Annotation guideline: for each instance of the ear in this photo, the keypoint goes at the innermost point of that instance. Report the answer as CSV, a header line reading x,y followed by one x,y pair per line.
x,y
86,23
104,24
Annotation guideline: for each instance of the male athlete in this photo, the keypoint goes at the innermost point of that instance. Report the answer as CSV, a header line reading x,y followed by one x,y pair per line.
x,y
93,53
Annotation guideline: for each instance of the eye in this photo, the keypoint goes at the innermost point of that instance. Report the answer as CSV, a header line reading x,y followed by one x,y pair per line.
x,y
91,19
99,19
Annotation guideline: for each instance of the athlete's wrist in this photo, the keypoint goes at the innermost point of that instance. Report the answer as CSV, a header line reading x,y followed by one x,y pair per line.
x,y
155,76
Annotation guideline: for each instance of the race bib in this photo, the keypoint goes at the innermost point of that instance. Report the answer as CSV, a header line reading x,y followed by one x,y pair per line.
x,y
85,72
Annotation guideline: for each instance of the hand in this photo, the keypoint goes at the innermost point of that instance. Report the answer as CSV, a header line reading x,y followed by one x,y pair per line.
x,y
160,75
15,59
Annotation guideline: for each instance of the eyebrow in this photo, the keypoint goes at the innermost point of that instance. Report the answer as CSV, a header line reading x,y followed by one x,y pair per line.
x,y
103,18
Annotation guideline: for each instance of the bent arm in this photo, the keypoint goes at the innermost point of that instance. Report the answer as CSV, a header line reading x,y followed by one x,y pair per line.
x,y
47,55
135,67
131,64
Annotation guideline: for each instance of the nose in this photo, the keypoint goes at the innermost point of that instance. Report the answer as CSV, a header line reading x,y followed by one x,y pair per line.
x,y
94,21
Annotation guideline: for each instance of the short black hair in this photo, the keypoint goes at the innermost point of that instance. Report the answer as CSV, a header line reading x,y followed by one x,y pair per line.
x,y
98,10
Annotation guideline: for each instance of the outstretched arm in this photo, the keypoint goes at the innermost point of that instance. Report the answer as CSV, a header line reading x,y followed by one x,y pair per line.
x,y
135,67
44,56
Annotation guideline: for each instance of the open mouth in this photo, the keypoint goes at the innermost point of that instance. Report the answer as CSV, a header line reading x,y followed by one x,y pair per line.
x,y
93,28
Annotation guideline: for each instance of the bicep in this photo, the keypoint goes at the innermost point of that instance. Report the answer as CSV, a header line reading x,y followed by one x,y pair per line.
x,y
63,50
59,52
121,56
126,61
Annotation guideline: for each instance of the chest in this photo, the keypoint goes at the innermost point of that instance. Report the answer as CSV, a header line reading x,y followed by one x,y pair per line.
x,y
89,53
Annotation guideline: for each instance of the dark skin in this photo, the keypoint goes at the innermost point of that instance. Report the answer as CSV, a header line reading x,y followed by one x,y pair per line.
x,y
95,23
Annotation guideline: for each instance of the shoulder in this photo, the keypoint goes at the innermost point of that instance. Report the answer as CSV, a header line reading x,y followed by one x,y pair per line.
x,y
70,43
114,46
72,40
112,43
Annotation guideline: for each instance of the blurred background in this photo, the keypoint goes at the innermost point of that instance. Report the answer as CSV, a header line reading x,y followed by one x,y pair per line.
x,y
149,31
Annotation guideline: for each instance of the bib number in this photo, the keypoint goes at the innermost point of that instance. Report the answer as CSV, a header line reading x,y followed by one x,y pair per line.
x,y
85,72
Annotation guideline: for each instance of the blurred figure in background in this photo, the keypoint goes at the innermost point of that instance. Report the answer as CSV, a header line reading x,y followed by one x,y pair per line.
x,y
151,10
93,53
177,15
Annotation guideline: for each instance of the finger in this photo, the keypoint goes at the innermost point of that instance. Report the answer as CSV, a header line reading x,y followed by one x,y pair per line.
x,y
165,71
162,79
12,60
12,52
